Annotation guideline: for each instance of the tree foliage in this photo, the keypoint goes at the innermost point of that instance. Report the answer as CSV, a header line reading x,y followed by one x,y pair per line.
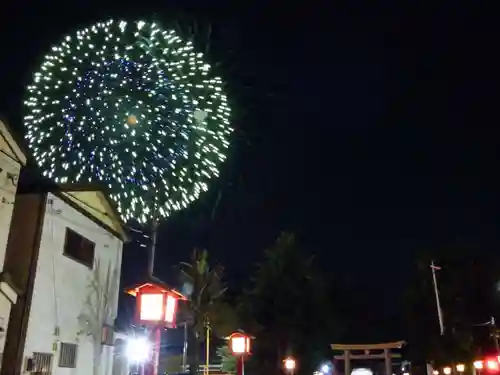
x,y
205,303
290,302
228,361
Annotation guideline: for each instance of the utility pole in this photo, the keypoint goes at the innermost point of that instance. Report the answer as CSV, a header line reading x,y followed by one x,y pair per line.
x,y
493,326
185,348
436,292
154,231
157,330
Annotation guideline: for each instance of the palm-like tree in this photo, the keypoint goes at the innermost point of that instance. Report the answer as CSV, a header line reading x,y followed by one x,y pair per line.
x,y
204,300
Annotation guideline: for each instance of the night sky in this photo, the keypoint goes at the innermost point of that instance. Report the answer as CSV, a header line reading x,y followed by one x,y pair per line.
x,y
369,130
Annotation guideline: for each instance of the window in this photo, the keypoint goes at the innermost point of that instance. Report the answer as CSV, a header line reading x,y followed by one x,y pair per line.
x,y
79,248
42,364
67,355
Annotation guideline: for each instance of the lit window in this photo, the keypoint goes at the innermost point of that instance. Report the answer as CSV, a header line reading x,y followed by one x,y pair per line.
x,y
151,307
238,345
170,309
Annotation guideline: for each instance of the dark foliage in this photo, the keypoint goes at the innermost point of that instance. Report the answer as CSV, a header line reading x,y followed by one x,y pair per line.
x,y
205,304
290,303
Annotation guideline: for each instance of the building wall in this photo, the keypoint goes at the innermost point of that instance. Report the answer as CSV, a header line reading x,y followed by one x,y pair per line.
x,y
9,176
20,263
61,289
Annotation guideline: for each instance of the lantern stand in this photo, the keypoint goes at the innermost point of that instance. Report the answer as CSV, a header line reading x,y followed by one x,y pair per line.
x,y
156,304
289,363
157,328
239,343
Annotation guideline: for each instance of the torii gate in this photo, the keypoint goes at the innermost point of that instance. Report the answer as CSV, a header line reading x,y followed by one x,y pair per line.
x,y
383,349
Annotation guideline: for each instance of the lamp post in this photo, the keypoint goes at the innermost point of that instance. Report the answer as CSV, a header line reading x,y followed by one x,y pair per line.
x,y
156,307
289,364
137,352
239,343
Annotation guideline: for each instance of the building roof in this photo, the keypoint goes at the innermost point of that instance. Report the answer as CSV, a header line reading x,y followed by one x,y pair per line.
x,y
89,199
152,281
92,200
7,140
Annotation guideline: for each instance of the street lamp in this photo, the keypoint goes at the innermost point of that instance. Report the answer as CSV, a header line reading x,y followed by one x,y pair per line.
x,y
138,349
492,365
239,344
460,367
156,307
289,364
447,370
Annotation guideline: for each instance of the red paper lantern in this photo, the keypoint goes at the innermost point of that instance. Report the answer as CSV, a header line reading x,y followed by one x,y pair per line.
x,y
156,304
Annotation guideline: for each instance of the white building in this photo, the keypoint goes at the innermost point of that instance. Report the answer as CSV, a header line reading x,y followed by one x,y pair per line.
x,y
11,161
64,254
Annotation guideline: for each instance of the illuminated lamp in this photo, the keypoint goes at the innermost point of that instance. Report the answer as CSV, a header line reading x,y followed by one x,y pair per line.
x,y
492,365
478,365
156,304
447,370
239,344
138,349
289,364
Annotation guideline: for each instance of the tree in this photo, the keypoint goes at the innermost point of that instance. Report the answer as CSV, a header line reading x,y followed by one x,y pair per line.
x,y
204,304
228,360
289,299
99,307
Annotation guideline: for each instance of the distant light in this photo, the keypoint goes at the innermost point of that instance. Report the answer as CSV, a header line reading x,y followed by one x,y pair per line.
x,y
478,365
289,364
362,371
435,372
138,349
325,368
492,365
447,370
460,367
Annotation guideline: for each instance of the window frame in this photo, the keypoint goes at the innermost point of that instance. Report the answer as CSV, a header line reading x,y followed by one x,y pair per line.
x,y
46,359
74,256
63,361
